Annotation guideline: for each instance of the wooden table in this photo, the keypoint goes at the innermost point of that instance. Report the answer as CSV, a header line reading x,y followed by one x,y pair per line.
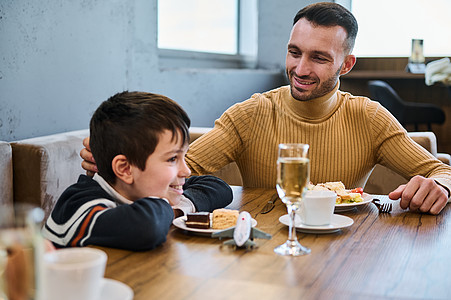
x,y
401,255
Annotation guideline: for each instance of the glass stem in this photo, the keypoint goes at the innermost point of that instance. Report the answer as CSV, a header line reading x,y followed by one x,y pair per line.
x,y
292,233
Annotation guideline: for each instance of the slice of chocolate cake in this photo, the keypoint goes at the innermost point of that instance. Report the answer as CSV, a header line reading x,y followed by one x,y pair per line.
x,y
200,220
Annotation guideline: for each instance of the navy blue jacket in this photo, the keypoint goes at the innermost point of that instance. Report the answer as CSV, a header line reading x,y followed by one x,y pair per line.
x,y
87,214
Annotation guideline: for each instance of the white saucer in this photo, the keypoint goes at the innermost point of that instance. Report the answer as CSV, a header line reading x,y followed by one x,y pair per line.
x,y
338,222
180,223
115,290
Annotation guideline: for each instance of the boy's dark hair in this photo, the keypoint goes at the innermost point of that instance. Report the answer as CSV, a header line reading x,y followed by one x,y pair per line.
x,y
129,123
331,14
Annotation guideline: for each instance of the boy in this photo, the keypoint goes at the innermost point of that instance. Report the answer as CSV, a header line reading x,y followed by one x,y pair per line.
x,y
140,140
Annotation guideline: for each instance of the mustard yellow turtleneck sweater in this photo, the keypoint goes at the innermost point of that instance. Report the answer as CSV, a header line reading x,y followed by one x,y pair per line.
x,y
347,135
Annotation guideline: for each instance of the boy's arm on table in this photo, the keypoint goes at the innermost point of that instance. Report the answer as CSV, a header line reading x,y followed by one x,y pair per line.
x,y
207,192
142,225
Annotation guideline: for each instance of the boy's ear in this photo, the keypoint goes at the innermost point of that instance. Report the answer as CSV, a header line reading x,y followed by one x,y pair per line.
x,y
122,168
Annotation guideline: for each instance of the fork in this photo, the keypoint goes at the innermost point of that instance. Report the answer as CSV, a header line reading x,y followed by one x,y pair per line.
x,y
383,207
270,205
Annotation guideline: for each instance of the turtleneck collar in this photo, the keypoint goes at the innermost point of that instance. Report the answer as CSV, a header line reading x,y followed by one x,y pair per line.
x,y
317,109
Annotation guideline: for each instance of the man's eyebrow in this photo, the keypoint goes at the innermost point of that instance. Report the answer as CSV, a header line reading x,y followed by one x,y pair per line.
x,y
317,52
323,53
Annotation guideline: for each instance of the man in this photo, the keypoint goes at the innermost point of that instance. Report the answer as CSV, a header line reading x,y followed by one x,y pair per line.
x,y
347,135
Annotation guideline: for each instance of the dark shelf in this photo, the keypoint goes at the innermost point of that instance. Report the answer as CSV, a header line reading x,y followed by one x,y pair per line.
x,y
358,74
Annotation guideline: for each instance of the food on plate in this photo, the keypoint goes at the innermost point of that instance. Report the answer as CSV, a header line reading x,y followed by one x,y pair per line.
x,y
343,195
224,218
200,220
357,190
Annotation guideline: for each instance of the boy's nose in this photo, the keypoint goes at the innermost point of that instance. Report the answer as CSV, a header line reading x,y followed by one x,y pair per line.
x,y
184,171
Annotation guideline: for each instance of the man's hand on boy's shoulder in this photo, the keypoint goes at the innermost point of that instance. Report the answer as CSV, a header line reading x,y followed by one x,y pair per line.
x,y
88,163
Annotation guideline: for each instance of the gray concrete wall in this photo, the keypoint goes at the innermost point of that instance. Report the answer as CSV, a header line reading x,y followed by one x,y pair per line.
x,y
60,59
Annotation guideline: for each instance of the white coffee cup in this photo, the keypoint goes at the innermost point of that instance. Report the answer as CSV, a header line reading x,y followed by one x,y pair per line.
x,y
73,274
317,207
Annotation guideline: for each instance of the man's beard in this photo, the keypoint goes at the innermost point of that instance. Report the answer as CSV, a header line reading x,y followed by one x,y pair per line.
x,y
321,90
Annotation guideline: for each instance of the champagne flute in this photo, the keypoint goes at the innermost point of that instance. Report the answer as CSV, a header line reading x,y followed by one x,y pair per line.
x,y
293,173
21,247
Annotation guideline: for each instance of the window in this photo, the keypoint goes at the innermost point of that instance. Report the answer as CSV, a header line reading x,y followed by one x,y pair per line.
x,y
198,25
207,33
387,27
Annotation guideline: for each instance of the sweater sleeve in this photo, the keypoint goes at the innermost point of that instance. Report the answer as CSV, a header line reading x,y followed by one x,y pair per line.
x,y
142,225
397,151
224,143
86,215
207,192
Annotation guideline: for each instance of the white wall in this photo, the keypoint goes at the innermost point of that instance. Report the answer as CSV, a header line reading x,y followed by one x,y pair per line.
x,y
60,59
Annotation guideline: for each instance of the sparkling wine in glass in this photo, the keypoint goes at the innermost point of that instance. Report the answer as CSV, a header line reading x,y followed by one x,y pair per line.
x,y
21,248
293,175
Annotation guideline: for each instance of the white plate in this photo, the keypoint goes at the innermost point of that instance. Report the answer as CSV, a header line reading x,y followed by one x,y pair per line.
x,y
338,222
349,206
115,290
180,223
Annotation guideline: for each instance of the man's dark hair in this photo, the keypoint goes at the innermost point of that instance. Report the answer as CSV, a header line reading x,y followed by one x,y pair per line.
x,y
331,14
130,123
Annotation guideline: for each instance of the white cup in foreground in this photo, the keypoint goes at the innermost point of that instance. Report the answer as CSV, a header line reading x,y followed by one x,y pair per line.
x,y
73,273
317,207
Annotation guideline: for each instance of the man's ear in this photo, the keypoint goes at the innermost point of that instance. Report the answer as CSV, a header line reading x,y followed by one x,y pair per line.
x,y
348,64
122,168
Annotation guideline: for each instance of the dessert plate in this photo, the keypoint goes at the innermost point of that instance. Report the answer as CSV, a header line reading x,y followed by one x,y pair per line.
x,y
115,290
180,223
350,206
338,222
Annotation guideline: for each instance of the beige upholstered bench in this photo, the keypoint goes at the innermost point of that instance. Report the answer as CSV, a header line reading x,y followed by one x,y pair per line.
x,y
45,166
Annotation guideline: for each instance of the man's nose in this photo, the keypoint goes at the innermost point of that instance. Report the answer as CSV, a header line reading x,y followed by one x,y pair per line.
x,y
303,66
